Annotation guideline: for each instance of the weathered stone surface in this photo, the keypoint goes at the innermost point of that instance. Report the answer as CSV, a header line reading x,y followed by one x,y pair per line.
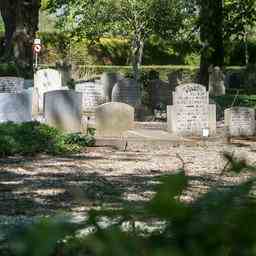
x,y
93,94
126,91
240,121
16,107
159,92
28,83
191,112
11,84
63,110
46,80
113,119
216,82
108,81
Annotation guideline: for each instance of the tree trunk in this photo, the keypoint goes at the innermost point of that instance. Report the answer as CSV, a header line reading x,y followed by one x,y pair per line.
x,y
137,55
21,23
211,35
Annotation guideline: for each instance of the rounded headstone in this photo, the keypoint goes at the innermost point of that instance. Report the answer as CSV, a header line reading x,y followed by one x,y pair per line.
x,y
126,91
113,119
108,81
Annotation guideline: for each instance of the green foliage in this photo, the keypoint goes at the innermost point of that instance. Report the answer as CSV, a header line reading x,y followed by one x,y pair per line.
x,y
227,101
32,138
8,69
221,222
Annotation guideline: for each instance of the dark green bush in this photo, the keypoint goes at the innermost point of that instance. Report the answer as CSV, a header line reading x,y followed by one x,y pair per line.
x,y
32,138
227,101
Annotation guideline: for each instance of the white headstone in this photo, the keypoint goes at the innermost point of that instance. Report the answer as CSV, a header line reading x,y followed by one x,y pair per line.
x,y
46,80
240,121
191,112
93,94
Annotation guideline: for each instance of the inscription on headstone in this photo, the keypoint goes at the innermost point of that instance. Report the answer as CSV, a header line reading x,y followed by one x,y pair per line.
x,y
92,94
191,112
11,84
63,110
240,121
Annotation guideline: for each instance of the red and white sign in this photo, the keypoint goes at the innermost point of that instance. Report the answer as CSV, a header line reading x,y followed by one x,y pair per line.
x,y
37,46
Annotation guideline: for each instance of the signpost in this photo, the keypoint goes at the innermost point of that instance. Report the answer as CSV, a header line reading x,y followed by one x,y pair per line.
x,y
36,50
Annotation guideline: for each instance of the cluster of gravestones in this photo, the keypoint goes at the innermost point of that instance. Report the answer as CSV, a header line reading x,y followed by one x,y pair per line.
x,y
192,114
111,101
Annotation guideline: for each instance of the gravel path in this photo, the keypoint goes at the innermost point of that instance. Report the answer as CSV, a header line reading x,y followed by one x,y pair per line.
x,y
104,176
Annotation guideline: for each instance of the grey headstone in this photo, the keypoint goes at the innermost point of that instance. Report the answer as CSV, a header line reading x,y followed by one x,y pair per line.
x,y
63,110
240,121
126,91
16,107
159,92
11,84
216,82
108,80
113,119
92,94
191,111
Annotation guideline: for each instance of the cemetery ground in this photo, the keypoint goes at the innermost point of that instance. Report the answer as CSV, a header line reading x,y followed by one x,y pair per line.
x,y
124,174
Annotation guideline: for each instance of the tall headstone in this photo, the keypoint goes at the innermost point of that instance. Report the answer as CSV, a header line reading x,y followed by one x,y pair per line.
x,y
240,121
46,80
159,92
93,94
126,91
191,112
216,82
113,119
11,84
63,110
15,107
108,81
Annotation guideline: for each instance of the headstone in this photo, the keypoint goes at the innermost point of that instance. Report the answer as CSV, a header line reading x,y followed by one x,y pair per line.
x,y
11,84
159,92
175,78
126,91
28,83
113,119
15,107
92,94
63,110
108,81
216,82
191,111
240,121
46,80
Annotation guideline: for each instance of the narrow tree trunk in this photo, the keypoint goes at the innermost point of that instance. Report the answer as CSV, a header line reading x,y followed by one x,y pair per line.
x,y
137,55
211,35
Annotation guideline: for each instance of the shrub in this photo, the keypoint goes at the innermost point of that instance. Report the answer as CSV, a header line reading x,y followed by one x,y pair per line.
x,y
32,138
